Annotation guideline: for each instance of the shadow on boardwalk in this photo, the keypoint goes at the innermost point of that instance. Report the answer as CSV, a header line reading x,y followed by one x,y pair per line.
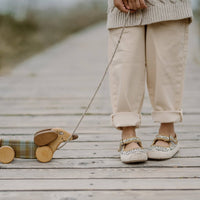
x,y
52,89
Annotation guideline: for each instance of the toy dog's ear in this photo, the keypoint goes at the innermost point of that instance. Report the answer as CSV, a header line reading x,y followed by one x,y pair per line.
x,y
44,137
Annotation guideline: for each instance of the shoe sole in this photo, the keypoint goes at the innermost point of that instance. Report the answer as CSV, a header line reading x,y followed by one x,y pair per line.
x,y
135,158
159,155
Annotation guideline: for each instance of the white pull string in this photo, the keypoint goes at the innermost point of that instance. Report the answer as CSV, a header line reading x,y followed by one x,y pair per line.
x,y
100,83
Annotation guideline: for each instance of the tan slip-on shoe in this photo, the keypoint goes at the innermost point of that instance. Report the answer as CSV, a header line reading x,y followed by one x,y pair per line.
x,y
134,155
160,152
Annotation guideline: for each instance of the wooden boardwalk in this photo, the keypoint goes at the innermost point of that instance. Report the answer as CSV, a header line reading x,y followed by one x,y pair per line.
x,y
51,90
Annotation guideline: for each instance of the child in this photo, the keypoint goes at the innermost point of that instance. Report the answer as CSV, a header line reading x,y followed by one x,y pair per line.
x,y
153,47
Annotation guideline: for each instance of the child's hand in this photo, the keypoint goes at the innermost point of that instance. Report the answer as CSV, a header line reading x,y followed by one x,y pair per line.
x,y
120,5
134,4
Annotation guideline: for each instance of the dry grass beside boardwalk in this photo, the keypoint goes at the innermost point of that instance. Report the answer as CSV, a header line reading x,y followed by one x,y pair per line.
x,y
20,39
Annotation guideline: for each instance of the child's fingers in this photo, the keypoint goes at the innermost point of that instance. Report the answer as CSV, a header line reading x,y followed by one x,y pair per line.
x,y
132,4
126,4
142,4
120,5
137,4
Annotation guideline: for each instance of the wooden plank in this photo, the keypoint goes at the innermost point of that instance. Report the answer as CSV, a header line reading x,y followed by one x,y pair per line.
x,y
113,153
99,195
99,137
54,107
99,184
39,107
75,145
105,173
144,130
98,163
114,145
89,121
68,106
102,153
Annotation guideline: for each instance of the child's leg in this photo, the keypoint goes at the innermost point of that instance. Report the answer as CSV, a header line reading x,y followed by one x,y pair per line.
x,y
127,76
166,45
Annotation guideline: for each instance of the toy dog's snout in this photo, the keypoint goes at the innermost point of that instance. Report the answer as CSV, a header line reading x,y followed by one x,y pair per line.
x,y
74,137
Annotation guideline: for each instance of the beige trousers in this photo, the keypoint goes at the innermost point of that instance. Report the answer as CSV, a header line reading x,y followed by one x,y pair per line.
x,y
154,53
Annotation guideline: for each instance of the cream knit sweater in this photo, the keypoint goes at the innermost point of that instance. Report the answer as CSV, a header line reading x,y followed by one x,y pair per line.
x,y
158,10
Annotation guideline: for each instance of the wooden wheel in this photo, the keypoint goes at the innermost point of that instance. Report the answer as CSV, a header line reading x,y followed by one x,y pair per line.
x,y
7,154
44,154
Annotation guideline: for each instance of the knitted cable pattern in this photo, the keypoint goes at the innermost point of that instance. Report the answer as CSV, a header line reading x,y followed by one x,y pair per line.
x,y
153,2
156,11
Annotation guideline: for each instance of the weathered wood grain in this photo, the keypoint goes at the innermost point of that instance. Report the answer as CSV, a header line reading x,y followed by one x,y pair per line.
x,y
105,173
100,184
98,137
103,131
102,153
72,120
99,195
99,163
75,145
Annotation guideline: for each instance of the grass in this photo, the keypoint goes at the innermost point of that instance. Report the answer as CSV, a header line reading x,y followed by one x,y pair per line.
x,y
40,29
15,39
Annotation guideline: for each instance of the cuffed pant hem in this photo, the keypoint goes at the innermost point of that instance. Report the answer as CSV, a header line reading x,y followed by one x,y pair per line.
x,y
167,116
125,119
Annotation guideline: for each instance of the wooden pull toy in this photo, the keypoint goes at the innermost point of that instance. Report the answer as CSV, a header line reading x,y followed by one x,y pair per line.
x,y
42,148
48,142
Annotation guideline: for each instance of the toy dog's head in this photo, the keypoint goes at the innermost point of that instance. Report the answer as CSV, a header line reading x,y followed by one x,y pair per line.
x,y
47,136
64,134
48,141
